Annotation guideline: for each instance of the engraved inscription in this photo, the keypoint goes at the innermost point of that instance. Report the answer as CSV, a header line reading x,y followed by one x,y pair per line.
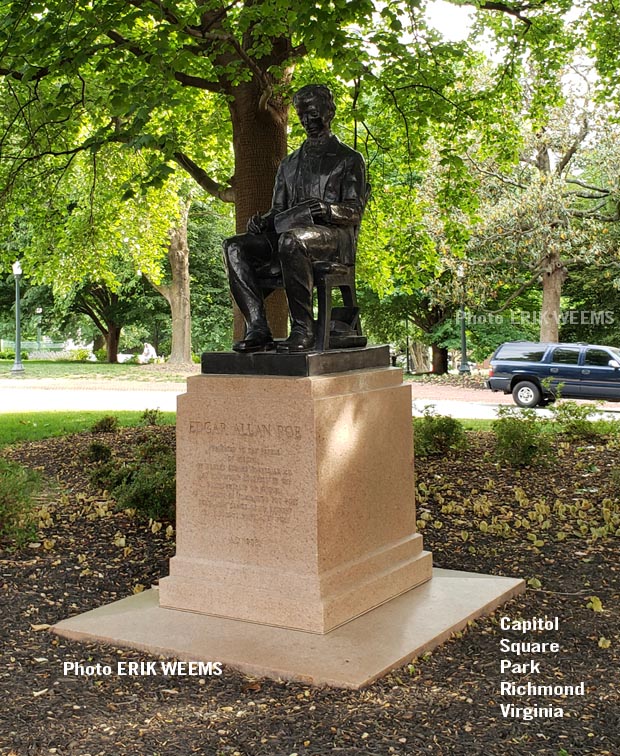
x,y
246,474
197,426
246,430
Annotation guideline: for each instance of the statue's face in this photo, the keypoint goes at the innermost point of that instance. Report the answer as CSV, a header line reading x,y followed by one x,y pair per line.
x,y
314,117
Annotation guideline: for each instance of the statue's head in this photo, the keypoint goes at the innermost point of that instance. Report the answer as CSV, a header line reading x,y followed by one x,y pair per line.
x,y
315,107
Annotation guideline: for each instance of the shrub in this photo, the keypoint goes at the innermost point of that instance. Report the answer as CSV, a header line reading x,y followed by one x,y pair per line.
x,y
151,417
146,483
18,486
80,355
573,419
151,488
101,355
98,452
521,437
110,474
105,424
435,434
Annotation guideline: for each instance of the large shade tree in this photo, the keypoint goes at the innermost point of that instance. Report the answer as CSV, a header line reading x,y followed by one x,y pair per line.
x,y
556,210
188,79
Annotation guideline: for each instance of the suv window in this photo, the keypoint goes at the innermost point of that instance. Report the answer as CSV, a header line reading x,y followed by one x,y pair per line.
x,y
521,352
565,355
598,357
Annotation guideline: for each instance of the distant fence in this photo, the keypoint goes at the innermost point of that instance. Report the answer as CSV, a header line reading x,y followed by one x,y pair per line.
x,y
33,346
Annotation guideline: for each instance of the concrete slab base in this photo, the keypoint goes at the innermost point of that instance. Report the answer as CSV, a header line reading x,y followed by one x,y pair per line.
x,y
350,656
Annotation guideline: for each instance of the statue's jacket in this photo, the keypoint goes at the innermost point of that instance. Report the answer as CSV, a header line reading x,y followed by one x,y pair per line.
x,y
342,184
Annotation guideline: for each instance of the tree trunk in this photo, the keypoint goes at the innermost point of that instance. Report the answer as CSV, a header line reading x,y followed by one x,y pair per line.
x,y
178,256
554,275
440,359
259,143
112,337
419,356
177,293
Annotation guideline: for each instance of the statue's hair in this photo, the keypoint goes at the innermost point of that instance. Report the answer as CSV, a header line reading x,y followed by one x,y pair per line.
x,y
320,91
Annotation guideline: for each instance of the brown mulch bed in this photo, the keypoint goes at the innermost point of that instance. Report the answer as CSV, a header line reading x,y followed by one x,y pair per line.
x,y
474,380
448,702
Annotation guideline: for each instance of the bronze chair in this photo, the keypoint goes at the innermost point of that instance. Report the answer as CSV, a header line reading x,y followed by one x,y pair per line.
x,y
334,327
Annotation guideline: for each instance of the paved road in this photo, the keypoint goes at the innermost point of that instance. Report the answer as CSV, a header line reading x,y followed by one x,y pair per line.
x,y
461,402
24,395
30,395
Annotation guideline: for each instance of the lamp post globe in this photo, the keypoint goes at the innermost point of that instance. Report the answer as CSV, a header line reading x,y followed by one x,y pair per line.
x,y
17,368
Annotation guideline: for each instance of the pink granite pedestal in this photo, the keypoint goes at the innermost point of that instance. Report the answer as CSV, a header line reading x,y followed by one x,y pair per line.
x,y
297,556
295,498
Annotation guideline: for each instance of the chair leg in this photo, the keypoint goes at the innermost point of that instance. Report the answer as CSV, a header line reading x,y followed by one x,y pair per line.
x,y
324,301
350,300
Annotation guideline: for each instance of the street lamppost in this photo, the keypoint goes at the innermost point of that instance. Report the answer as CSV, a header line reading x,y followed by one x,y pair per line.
x,y
39,312
464,366
17,365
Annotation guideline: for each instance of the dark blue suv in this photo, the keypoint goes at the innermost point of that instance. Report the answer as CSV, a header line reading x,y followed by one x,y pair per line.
x,y
532,371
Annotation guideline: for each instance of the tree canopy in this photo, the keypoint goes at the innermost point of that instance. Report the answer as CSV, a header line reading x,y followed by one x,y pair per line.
x,y
203,86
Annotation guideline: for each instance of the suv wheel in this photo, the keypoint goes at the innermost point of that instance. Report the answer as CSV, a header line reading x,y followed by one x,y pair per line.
x,y
526,394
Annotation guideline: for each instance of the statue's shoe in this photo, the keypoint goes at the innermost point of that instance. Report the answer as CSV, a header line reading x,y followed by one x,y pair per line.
x,y
256,340
298,341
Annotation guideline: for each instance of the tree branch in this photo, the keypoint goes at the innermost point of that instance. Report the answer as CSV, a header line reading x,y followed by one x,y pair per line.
x,y
511,10
224,193
515,294
503,179
85,308
579,137
187,80
585,185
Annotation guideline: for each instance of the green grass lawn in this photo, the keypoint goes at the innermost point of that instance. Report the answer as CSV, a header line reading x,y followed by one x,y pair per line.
x,y
33,426
90,370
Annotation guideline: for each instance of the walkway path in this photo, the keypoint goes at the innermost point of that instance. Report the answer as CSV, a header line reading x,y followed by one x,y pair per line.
x,y
37,395
46,395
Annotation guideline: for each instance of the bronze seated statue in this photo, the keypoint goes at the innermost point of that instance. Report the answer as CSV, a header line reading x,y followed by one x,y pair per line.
x,y
307,238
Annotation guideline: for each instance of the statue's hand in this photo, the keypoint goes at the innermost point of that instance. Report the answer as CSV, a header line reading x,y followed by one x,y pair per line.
x,y
320,210
257,224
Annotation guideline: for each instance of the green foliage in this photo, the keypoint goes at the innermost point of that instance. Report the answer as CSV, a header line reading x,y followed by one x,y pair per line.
x,y
521,437
210,298
591,301
106,424
9,354
33,426
102,101
574,419
146,483
435,434
18,486
98,452
151,417
80,355
614,481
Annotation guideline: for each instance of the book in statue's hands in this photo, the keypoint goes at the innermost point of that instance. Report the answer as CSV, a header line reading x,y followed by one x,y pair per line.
x,y
294,217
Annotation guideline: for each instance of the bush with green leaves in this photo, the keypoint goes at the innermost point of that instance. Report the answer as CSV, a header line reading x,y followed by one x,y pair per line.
x,y
98,452
151,417
146,483
80,355
574,419
435,434
106,424
18,517
521,437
